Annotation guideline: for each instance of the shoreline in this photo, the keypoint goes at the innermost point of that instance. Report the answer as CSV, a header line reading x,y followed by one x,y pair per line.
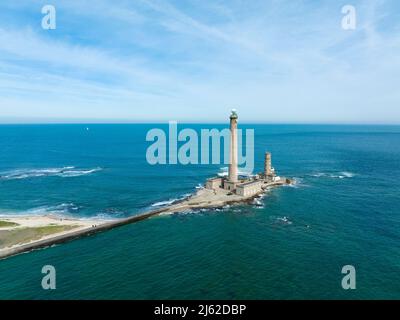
x,y
202,199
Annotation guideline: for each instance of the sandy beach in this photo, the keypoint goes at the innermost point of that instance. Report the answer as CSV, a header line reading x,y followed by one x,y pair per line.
x,y
19,231
40,221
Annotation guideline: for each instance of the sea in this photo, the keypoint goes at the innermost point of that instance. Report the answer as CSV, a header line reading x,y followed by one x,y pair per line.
x,y
292,243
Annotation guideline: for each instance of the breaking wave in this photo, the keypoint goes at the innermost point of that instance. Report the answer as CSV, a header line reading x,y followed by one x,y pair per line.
x,y
103,217
297,183
224,172
66,210
284,220
164,203
348,174
281,220
339,175
64,172
171,201
63,209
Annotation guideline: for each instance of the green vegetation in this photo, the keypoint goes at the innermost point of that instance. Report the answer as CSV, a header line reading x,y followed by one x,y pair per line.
x,y
4,224
24,235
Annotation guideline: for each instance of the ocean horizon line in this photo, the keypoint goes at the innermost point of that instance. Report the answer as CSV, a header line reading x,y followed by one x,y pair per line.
x,y
88,122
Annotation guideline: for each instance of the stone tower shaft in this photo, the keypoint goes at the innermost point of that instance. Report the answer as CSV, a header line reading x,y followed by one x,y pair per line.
x,y
233,170
267,164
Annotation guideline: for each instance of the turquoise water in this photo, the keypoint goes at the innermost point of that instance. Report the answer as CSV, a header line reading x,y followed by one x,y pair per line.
x,y
344,210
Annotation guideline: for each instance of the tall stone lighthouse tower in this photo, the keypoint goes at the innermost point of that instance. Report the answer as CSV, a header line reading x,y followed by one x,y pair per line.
x,y
267,165
233,170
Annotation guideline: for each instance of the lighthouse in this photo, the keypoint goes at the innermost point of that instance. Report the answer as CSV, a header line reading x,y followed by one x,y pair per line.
x,y
244,187
267,165
233,170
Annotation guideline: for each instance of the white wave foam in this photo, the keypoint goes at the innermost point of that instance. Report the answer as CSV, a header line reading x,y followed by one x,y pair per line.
x,y
224,172
77,173
101,217
164,203
318,175
348,174
257,202
170,201
64,172
284,220
342,175
61,209
188,211
339,175
297,183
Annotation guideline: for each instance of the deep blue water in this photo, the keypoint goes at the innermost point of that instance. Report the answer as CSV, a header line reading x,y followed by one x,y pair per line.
x,y
344,210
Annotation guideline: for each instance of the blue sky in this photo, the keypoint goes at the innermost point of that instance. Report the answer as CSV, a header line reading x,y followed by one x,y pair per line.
x,y
286,61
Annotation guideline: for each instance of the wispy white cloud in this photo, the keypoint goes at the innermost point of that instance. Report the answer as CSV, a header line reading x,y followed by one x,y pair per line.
x,y
153,59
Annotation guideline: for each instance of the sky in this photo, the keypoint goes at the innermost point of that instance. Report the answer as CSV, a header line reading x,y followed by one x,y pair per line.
x,y
286,61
